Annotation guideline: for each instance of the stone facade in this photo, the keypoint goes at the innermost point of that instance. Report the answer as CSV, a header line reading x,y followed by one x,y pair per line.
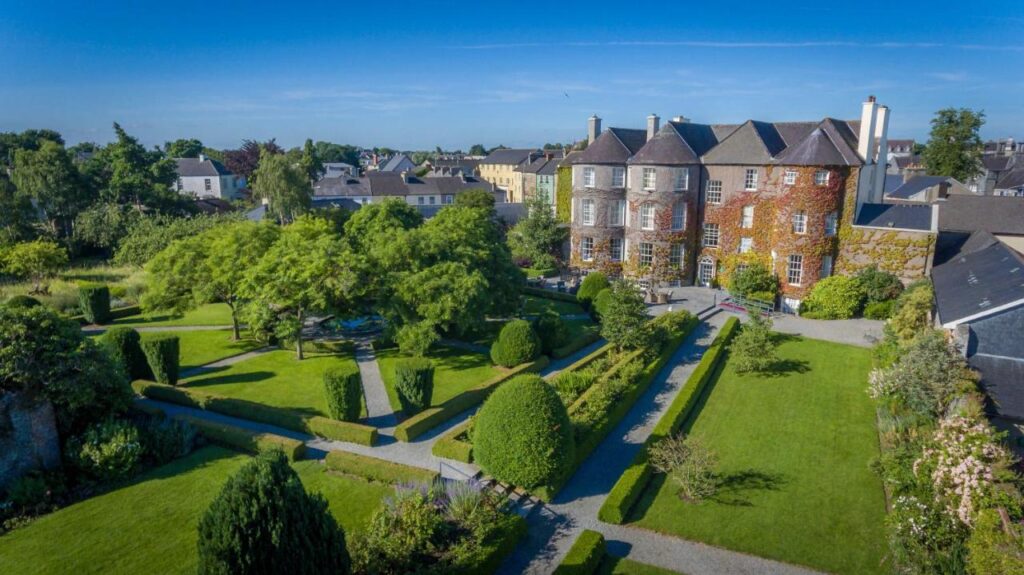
x,y
28,438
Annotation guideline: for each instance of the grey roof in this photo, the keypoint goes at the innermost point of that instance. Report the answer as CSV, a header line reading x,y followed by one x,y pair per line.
x,y
752,143
989,276
998,334
896,216
676,144
830,143
1002,379
613,146
1011,180
915,186
995,214
541,165
394,163
509,156
196,168
996,163
570,158
892,181
907,161
385,184
260,212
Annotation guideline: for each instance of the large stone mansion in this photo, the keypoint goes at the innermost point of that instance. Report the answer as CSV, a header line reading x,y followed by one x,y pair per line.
x,y
691,203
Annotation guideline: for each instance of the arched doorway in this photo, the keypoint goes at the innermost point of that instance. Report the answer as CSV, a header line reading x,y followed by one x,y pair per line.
x,y
705,271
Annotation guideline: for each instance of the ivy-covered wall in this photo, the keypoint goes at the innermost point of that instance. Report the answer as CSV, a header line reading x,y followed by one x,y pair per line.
x,y
563,194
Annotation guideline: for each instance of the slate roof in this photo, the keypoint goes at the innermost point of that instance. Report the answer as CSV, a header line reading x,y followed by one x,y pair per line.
x,y
987,277
830,143
995,214
385,184
613,146
194,168
541,165
915,186
676,144
1001,379
394,163
892,181
907,161
570,158
896,216
996,163
1011,180
508,157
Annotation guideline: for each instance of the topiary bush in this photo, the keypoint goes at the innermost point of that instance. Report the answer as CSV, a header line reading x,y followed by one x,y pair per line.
x,y
264,521
835,297
590,287
22,301
517,343
344,390
522,434
551,330
600,304
414,384
125,345
94,301
162,357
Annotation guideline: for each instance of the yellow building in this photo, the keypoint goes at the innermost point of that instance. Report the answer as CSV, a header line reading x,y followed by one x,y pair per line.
x,y
499,168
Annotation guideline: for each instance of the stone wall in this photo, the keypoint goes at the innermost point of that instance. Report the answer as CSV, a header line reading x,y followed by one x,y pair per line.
x,y
28,438
906,254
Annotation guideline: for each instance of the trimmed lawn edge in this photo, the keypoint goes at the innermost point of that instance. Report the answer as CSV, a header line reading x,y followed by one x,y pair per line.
x,y
313,425
634,479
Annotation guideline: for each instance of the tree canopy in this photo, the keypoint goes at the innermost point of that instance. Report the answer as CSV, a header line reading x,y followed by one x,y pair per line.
x,y
48,176
284,184
183,148
954,148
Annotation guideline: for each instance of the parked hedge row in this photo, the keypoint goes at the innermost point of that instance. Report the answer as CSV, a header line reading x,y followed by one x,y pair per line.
x,y
314,425
621,407
450,446
585,555
377,469
549,294
634,480
576,345
430,418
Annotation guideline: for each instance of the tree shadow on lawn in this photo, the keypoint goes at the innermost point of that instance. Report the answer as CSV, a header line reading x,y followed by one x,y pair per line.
x,y
784,367
246,377
735,488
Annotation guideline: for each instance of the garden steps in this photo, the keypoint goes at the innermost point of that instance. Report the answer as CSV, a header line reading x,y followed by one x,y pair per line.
x,y
522,502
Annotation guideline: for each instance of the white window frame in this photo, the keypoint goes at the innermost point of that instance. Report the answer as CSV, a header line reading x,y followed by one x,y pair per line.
x,y
649,179
587,211
750,180
618,177
679,216
675,255
589,177
800,222
821,177
647,216
645,254
710,231
794,267
831,223
714,192
747,219
612,244
706,264
617,215
587,249
789,178
682,179
746,244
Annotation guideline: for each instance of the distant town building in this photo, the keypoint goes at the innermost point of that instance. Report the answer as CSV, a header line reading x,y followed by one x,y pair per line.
x,y
204,177
376,186
338,169
499,168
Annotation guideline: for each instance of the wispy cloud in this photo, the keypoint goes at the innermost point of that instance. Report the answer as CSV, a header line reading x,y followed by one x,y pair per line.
x,y
949,76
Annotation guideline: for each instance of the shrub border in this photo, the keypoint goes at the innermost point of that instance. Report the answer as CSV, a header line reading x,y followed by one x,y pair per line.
x,y
584,556
430,418
576,345
313,425
549,294
635,478
375,469
118,313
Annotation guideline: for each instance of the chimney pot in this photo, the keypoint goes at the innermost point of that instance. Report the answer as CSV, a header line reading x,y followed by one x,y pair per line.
x,y
871,99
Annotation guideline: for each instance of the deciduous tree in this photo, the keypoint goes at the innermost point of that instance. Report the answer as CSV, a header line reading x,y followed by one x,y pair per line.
x,y
625,322
284,184
954,148
48,176
36,260
183,148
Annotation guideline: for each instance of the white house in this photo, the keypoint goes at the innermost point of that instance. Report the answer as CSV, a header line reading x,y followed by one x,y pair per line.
x,y
207,178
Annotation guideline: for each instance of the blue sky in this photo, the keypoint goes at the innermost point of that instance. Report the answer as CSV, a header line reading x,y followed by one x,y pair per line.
x,y
452,74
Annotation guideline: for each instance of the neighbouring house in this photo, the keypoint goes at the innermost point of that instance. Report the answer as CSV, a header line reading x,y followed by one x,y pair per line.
x,y
214,206
539,175
926,189
693,203
960,216
397,164
907,166
499,168
338,169
993,167
453,165
205,177
1003,147
416,191
1011,182
897,148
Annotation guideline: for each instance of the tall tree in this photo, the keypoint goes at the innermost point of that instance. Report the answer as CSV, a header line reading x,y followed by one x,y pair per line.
x,y
284,184
477,150
954,148
244,161
183,148
48,176
625,322
330,152
539,236
139,176
311,162
16,213
10,142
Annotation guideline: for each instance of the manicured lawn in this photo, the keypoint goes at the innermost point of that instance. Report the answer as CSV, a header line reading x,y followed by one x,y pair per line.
x,y
795,448
202,347
274,378
455,371
150,526
209,314
621,566
579,327
533,305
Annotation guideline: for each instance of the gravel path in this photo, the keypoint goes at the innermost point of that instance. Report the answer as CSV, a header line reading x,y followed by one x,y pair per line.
x,y
378,408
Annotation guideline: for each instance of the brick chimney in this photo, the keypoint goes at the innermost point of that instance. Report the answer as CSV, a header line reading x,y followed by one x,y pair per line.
x,y
593,128
653,123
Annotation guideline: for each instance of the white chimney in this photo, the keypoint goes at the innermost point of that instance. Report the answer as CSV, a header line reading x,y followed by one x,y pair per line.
x,y
866,139
593,128
653,123
202,157
680,119
882,136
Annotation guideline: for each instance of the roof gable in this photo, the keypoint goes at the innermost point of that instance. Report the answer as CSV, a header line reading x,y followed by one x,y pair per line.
x,y
979,282
613,146
751,143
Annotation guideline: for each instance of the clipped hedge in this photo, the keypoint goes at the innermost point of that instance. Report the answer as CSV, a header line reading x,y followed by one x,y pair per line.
x,y
119,313
430,418
584,556
517,343
125,345
94,301
377,469
492,553
601,302
344,389
22,301
287,419
590,287
576,345
452,446
245,439
549,294
161,353
414,384
635,478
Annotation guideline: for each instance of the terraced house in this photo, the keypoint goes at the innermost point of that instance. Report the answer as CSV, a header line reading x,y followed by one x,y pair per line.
x,y
691,203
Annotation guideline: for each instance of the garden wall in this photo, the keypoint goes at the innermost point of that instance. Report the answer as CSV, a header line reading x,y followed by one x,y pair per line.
x,y
28,438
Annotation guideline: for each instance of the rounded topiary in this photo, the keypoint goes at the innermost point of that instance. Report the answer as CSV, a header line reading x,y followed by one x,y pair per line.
x,y
94,301
522,434
161,353
600,304
344,390
591,286
23,301
517,343
264,521
414,384
551,330
125,345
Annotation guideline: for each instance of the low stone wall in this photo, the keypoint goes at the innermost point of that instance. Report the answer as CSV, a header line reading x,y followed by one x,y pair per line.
x,y
28,437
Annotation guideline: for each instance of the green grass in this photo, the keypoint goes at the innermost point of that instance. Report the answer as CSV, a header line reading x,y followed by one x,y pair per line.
x,y
794,448
63,288
455,371
203,347
611,565
205,315
533,305
274,378
579,327
150,525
